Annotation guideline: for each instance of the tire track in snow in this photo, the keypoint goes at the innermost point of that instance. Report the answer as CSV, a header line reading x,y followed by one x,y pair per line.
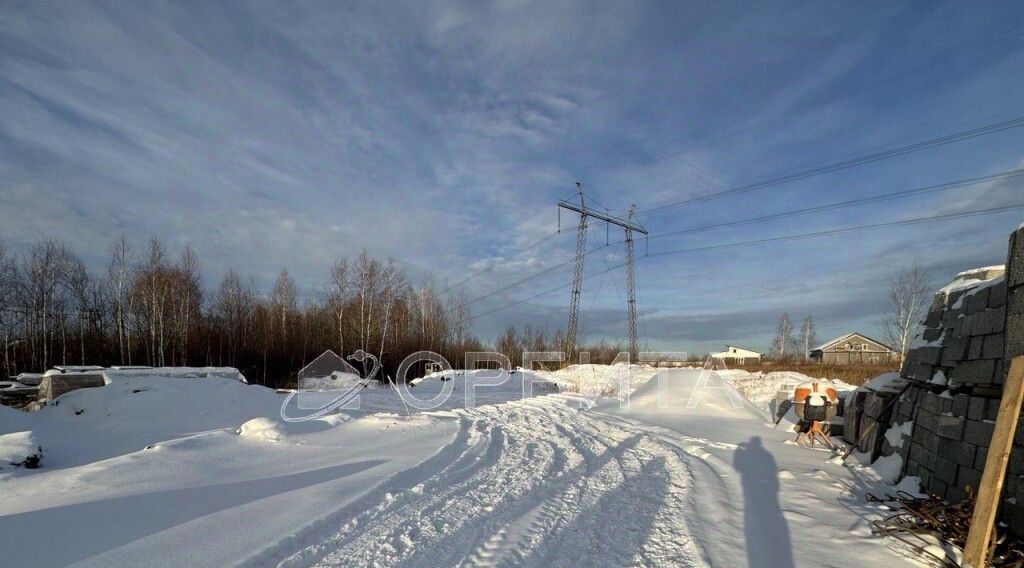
x,y
532,482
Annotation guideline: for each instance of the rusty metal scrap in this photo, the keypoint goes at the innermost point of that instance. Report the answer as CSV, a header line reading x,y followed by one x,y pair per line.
x,y
914,518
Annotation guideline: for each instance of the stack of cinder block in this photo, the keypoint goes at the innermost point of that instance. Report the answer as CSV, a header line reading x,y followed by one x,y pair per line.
x,y
867,416
974,328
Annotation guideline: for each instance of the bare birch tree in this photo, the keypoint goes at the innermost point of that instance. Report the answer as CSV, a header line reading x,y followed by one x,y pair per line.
x,y
808,336
783,344
909,295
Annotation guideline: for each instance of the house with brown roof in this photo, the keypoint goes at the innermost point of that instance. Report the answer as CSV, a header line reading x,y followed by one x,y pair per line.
x,y
854,348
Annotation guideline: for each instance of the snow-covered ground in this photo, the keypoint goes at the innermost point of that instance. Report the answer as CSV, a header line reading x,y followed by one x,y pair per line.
x,y
204,472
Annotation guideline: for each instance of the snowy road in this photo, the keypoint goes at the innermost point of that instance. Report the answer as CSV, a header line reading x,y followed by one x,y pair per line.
x,y
179,473
534,483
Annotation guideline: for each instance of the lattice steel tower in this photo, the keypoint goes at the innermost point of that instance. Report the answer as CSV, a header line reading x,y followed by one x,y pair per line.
x,y
572,333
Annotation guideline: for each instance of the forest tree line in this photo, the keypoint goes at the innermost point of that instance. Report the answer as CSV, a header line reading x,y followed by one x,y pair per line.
x,y
149,308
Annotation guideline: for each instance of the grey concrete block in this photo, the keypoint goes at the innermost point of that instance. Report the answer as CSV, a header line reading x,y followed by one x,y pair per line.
x,y
950,427
926,477
1015,260
1016,463
1013,515
976,409
974,372
968,477
1013,349
996,319
930,402
926,355
953,351
915,452
949,448
997,297
978,433
912,468
926,422
994,346
931,334
960,404
946,405
978,301
955,494
974,345
992,409
965,454
980,455
1015,302
919,372
877,406
952,298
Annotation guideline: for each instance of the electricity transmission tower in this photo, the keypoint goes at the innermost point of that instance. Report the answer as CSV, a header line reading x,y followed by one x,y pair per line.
x,y
572,333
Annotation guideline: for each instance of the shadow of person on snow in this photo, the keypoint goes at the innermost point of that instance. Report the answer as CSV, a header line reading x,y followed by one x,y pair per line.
x,y
767,533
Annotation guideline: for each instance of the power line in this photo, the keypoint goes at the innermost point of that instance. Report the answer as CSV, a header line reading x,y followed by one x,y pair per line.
x,y
853,202
844,164
828,207
785,238
831,232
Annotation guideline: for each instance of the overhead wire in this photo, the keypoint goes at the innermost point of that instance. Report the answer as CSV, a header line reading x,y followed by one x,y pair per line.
x,y
784,238
843,164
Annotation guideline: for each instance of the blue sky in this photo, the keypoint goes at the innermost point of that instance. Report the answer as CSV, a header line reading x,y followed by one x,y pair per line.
x,y
291,134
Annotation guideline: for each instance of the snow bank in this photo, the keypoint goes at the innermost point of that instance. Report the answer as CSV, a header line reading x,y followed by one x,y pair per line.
x,y
273,429
133,412
337,380
18,449
115,374
617,380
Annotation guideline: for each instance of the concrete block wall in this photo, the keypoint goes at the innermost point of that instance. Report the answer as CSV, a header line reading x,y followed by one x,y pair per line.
x,y
970,334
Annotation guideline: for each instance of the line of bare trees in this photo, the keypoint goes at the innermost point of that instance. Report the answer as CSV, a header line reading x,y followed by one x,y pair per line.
x,y
149,308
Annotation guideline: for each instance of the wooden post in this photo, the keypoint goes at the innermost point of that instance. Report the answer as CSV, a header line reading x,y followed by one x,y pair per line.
x,y
986,504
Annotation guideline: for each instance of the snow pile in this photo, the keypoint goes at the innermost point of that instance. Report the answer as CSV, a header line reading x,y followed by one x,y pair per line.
x,y
989,275
18,449
338,380
133,412
115,374
274,429
618,380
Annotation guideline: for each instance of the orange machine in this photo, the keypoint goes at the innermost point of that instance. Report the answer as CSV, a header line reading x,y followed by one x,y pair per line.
x,y
815,403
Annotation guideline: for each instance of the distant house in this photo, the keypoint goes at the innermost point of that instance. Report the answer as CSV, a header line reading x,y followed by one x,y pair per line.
x,y
737,356
854,348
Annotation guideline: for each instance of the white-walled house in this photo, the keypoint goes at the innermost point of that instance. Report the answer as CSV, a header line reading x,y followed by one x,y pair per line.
x,y
737,356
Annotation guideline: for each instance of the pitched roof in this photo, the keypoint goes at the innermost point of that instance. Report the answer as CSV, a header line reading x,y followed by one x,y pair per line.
x,y
828,344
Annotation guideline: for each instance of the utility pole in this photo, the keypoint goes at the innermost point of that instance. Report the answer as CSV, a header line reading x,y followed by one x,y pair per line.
x,y
631,290
577,277
572,333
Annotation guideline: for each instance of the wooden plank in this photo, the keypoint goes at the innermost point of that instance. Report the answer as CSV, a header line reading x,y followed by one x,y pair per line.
x,y
986,503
